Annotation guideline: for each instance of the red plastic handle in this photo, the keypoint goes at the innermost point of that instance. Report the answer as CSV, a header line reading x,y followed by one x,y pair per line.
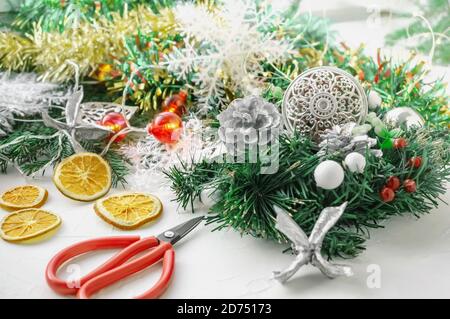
x,y
133,245
163,251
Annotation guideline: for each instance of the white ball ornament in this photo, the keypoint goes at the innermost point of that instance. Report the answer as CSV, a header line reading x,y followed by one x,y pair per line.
x,y
355,162
329,175
374,100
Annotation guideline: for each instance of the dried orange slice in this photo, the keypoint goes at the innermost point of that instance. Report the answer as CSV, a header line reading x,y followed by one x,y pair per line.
x,y
28,225
83,176
21,197
128,210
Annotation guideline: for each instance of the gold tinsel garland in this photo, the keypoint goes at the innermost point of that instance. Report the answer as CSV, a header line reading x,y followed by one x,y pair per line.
x,y
89,45
17,53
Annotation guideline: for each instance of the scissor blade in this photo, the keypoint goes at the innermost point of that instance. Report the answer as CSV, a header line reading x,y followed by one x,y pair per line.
x,y
174,234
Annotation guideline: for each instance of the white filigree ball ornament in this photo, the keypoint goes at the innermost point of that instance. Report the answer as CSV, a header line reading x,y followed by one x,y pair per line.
x,y
321,98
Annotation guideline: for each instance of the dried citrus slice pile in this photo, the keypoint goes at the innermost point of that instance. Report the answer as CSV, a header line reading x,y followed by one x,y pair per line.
x,y
83,177
28,225
20,197
128,210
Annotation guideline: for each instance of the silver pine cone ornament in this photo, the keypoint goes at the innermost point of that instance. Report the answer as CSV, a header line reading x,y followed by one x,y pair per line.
x,y
346,139
248,122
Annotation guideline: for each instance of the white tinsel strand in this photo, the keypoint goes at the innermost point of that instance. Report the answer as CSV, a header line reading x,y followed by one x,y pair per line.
x,y
6,121
24,95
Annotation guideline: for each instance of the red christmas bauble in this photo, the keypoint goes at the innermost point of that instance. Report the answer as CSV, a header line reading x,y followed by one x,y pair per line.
x,y
410,185
166,127
393,183
415,161
115,122
175,103
400,143
387,194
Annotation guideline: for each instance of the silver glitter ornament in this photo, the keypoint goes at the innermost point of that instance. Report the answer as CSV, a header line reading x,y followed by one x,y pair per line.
x,y
248,122
321,98
308,249
404,115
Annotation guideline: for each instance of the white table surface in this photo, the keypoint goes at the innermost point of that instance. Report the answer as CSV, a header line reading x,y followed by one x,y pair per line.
x,y
413,257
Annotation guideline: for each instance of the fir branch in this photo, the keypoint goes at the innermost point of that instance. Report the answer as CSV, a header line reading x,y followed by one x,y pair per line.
x,y
61,15
119,168
417,36
246,197
32,155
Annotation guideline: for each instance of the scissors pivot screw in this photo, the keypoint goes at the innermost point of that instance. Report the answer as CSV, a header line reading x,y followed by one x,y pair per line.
x,y
169,234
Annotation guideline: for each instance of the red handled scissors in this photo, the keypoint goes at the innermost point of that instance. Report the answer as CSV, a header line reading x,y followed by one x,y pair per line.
x,y
119,266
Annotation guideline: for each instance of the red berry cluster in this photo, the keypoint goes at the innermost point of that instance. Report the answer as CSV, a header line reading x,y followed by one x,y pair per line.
x,y
393,183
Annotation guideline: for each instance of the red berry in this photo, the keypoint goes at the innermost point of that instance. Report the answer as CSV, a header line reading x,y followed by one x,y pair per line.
x,y
115,122
183,95
415,161
387,194
176,104
166,127
400,143
409,185
393,183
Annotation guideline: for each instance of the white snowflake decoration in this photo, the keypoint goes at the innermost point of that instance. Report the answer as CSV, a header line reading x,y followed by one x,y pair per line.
x,y
149,157
226,43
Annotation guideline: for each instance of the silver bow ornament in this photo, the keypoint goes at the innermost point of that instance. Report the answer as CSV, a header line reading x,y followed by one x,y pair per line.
x,y
82,118
308,249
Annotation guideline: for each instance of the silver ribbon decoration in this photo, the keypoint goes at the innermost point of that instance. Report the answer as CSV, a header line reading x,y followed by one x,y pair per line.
x,y
308,250
74,128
